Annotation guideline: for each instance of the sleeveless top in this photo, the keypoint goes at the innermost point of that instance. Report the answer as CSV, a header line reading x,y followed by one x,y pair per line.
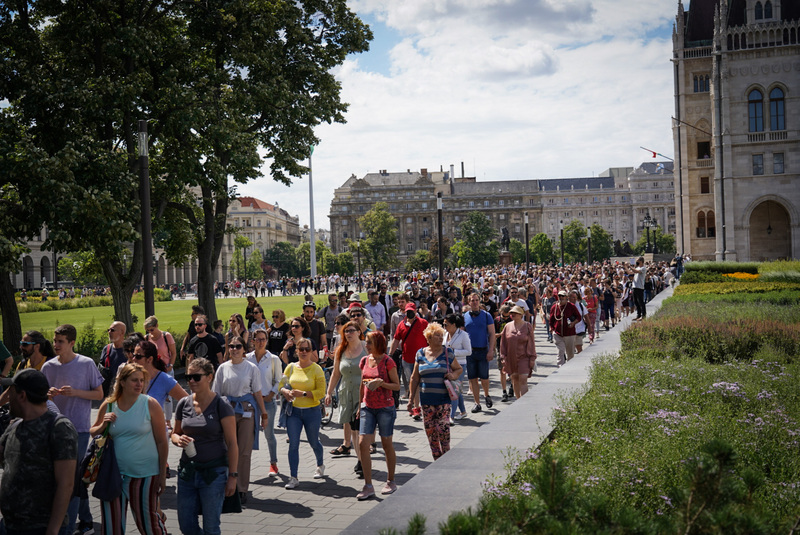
x,y
134,444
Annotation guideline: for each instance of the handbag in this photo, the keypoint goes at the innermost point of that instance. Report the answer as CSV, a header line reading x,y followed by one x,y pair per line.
x,y
453,387
90,465
108,486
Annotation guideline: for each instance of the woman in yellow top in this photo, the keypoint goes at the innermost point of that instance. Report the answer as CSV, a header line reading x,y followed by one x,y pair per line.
x,y
303,386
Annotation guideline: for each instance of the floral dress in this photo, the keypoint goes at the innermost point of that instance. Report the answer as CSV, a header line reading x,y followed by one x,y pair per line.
x,y
349,388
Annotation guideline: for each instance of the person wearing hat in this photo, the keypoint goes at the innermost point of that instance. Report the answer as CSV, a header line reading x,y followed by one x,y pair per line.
x,y
564,316
39,453
518,350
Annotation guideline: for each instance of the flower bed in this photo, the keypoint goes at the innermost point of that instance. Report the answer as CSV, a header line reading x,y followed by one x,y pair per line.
x,y
731,287
693,429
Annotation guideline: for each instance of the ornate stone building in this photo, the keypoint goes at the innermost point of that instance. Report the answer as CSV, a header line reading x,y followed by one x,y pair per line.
x,y
618,200
263,223
737,133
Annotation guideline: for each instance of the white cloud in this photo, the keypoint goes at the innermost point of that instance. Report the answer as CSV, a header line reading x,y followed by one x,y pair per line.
x,y
513,88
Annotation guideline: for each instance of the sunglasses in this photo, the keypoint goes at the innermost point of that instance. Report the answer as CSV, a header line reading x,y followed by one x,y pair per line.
x,y
304,349
275,317
24,343
350,331
356,315
297,326
236,346
199,324
195,376
138,356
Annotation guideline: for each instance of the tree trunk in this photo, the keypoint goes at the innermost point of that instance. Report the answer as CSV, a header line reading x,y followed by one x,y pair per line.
x,y
12,327
215,208
205,283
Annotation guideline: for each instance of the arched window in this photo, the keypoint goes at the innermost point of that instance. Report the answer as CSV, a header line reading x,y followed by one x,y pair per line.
x,y
759,12
777,117
768,10
706,226
701,225
755,102
711,224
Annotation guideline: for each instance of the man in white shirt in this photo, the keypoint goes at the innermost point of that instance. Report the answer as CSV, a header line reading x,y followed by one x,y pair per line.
x,y
376,310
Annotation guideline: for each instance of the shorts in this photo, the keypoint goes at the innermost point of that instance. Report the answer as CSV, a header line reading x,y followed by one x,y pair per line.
x,y
383,419
579,338
477,365
609,311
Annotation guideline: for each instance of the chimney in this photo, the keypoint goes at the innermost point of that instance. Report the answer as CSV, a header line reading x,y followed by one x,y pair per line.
x,y
462,169
452,172
424,171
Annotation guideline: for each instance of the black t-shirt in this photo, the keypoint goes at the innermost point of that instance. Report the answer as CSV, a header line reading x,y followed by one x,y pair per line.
x,y
206,347
491,307
317,330
277,338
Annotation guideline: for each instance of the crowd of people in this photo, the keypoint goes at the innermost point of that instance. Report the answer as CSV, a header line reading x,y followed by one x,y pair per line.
x,y
418,343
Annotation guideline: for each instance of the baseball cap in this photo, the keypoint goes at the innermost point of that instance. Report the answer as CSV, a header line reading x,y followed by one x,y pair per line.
x,y
411,306
31,381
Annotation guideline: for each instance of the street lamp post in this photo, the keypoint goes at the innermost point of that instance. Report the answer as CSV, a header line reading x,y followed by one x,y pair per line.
x,y
654,224
561,229
147,240
646,224
439,224
527,248
588,245
358,251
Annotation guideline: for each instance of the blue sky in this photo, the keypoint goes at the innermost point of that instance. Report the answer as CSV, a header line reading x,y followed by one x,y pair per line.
x,y
516,89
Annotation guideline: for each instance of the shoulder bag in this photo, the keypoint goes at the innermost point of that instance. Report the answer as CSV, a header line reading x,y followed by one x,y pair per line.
x,y
453,387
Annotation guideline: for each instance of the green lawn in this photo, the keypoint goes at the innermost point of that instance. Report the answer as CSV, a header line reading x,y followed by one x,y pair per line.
x,y
172,315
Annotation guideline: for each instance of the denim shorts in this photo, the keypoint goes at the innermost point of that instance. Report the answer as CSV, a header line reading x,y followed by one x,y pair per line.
x,y
477,365
383,419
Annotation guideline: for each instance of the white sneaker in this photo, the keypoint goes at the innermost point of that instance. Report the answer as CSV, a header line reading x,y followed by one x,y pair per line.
x,y
293,483
452,422
461,415
319,473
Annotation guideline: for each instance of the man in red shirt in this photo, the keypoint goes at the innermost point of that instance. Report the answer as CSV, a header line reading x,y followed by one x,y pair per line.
x,y
564,316
409,335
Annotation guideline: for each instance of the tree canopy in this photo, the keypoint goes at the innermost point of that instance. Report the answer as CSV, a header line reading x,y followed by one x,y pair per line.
x,y
379,244
474,245
226,85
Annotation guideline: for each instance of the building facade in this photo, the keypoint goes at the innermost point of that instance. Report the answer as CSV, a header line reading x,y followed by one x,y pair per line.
x,y
618,200
737,129
263,223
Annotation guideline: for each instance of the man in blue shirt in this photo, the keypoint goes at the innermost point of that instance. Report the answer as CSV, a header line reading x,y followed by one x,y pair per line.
x,y
479,325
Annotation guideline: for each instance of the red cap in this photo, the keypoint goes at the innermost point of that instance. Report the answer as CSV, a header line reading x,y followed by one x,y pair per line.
x,y
411,306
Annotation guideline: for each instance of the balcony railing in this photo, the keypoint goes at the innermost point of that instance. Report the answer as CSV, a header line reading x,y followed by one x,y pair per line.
x,y
705,162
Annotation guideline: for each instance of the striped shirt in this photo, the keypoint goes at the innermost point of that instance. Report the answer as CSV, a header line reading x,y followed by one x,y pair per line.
x,y
431,374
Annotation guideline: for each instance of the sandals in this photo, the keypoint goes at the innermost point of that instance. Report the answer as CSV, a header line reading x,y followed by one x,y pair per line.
x,y
373,448
341,450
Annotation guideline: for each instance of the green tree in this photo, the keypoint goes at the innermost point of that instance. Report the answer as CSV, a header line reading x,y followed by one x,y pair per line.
x,y
434,252
282,257
238,267
665,241
254,261
303,252
289,51
602,243
476,234
420,260
219,80
517,249
574,242
542,251
81,269
379,245
345,264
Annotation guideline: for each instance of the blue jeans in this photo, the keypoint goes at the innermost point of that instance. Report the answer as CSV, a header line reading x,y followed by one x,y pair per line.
x,y
79,507
308,419
197,497
383,419
269,431
456,404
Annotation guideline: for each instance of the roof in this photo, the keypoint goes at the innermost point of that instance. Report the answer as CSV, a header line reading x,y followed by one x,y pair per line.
x,y
408,178
252,202
566,184
495,186
700,21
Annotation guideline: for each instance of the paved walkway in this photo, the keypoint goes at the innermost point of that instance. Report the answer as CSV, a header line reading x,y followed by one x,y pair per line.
x,y
327,506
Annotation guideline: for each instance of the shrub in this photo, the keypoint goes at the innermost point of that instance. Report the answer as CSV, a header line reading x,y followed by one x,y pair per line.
x,y
722,267
84,302
696,277
781,265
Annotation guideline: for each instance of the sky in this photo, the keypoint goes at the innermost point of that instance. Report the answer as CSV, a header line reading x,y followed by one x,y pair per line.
x,y
514,89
